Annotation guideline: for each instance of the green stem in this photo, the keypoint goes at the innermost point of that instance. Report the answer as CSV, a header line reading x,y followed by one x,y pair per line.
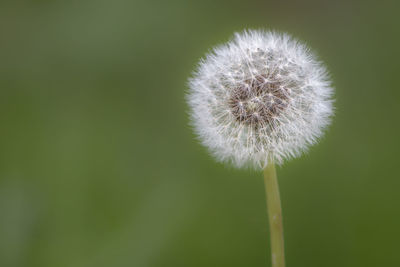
x,y
275,216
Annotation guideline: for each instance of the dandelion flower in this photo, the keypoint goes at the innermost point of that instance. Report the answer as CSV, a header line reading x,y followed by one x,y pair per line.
x,y
260,99
262,96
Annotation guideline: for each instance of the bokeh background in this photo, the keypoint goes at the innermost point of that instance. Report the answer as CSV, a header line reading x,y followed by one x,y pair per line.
x,y
98,166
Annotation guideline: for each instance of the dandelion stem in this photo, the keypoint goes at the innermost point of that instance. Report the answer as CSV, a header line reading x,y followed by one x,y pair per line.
x,y
275,216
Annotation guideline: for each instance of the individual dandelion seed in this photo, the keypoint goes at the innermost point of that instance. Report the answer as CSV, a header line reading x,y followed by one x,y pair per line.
x,y
260,99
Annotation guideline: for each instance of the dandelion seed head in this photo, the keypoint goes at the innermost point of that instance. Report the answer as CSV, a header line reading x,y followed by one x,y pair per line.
x,y
262,96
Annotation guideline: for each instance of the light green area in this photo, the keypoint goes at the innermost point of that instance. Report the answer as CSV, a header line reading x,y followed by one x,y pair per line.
x,y
98,166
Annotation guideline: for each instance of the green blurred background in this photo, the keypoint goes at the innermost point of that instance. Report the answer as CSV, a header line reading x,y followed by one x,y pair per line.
x,y
98,166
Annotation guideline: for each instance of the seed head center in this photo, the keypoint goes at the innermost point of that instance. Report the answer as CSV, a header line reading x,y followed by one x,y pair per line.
x,y
258,101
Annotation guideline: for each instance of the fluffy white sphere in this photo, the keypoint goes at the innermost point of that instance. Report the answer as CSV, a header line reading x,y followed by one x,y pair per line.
x,y
262,96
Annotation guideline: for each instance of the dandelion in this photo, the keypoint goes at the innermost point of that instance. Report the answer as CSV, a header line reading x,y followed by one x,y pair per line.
x,y
261,99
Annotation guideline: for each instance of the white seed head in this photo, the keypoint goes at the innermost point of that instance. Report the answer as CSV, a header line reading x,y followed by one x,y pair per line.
x,y
262,96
